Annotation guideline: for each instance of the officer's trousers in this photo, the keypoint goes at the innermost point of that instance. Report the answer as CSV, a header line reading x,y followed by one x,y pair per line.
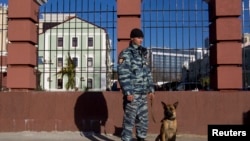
x,y
135,114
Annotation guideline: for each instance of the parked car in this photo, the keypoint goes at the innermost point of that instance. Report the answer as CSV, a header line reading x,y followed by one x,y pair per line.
x,y
190,86
170,86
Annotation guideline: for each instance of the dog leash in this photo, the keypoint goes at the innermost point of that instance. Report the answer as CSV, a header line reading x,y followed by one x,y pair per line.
x,y
152,114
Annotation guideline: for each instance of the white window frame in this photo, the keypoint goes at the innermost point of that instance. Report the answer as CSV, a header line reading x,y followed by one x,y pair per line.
x,y
71,42
62,42
88,41
92,62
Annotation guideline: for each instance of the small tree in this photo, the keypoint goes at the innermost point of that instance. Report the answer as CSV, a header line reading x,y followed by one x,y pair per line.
x,y
70,72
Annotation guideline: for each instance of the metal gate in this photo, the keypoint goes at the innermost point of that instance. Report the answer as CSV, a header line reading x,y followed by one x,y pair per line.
x,y
76,45
176,31
77,39
246,44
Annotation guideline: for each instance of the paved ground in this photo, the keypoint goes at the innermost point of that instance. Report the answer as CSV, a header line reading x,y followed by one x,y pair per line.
x,y
75,136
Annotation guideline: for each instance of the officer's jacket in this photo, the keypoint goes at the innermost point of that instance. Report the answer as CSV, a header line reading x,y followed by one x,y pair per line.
x,y
134,74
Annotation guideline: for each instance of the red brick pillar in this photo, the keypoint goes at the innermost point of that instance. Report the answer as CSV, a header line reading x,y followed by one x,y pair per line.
x,y
225,39
128,17
22,36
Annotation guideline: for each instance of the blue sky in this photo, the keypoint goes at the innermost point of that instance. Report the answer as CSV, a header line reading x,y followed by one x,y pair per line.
x,y
178,24
171,23
174,24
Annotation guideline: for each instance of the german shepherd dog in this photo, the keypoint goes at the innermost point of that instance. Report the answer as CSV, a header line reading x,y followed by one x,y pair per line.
x,y
168,123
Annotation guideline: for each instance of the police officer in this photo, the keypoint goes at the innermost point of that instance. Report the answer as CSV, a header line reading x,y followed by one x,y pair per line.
x,y
136,82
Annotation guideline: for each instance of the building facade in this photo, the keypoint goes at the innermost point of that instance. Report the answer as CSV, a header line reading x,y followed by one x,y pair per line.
x,y
246,63
85,43
3,45
170,65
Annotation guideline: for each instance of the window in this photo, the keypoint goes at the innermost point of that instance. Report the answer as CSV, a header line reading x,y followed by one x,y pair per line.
x,y
90,41
90,62
60,42
40,60
59,61
59,83
75,60
74,42
89,83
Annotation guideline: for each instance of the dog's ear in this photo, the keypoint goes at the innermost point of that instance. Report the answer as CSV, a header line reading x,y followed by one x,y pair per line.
x,y
176,104
163,104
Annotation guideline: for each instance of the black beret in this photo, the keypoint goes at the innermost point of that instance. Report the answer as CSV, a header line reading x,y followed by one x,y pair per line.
x,y
136,32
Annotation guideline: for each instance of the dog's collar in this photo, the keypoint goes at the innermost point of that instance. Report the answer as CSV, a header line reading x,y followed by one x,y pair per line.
x,y
173,118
